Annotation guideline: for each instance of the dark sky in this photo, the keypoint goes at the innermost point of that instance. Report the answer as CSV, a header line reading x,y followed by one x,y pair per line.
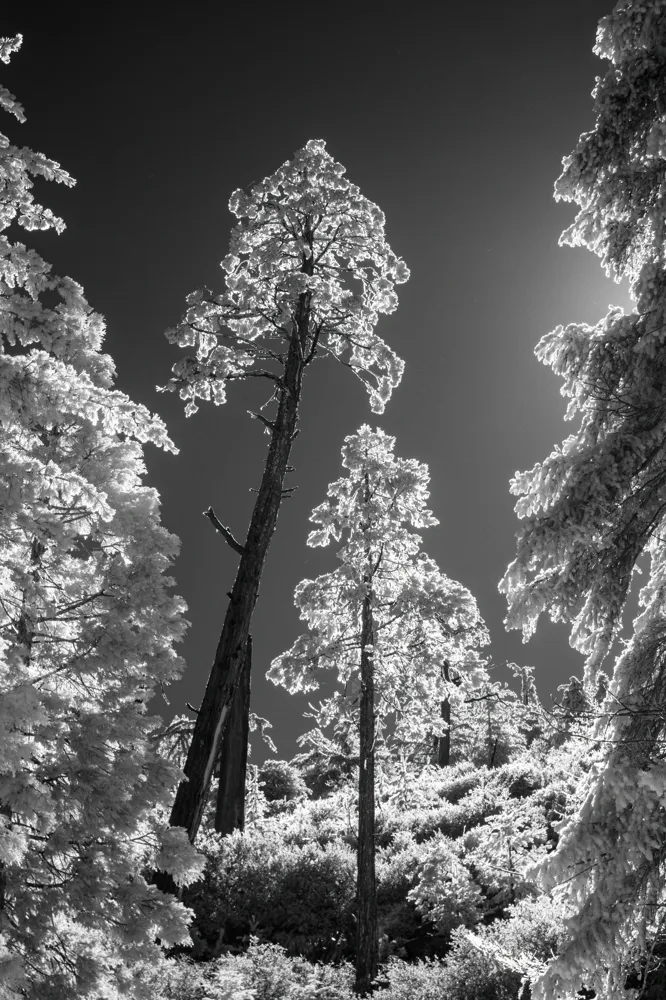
x,y
453,118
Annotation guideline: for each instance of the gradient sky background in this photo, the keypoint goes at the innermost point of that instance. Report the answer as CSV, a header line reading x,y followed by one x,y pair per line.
x,y
454,119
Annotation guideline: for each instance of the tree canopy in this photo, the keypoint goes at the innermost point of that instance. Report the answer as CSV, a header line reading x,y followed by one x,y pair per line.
x,y
597,504
87,632
309,247
421,617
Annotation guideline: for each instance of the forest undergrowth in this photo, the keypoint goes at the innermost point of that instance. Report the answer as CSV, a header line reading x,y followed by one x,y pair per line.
x,y
460,914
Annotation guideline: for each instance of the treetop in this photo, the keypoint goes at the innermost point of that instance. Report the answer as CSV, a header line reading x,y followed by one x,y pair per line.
x,y
308,254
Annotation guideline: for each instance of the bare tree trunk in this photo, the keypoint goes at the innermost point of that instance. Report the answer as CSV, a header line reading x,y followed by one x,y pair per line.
x,y
230,810
213,716
24,636
367,946
444,742
7,813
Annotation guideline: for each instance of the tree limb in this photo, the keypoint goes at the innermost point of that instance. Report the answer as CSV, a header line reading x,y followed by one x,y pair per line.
x,y
265,422
226,534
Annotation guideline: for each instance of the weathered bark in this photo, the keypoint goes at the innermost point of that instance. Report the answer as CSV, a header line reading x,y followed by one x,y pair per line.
x,y
213,716
367,946
491,762
230,809
444,741
24,636
492,740
7,813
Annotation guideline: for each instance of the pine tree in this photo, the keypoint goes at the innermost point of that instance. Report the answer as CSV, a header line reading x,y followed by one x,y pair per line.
x,y
87,632
308,273
385,621
490,723
596,505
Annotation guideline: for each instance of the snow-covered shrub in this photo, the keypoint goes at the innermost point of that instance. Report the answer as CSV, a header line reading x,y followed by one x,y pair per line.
x,y
298,895
291,878
281,780
445,892
451,819
397,867
263,972
420,981
522,776
181,980
454,783
397,872
492,962
266,972
325,820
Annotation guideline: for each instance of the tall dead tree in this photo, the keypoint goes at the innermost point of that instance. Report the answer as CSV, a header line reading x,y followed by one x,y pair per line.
x,y
308,273
230,807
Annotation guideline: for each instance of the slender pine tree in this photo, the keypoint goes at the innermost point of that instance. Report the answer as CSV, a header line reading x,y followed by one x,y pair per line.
x,y
386,621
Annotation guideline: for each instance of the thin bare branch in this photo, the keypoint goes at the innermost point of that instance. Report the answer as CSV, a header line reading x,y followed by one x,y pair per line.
x,y
224,531
267,423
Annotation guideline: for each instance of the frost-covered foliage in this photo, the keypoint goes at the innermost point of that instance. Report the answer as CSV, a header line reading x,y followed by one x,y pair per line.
x,y
282,782
173,739
308,248
290,878
446,891
422,618
597,504
263,972
454,851
87,632
326,762
611,849
487,966
490,723
293,892
497,962
389,625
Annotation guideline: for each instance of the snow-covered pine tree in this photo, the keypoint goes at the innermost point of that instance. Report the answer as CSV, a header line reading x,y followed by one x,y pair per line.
x,y
308,274
483,721
490,725
87,631
385,622
598,503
